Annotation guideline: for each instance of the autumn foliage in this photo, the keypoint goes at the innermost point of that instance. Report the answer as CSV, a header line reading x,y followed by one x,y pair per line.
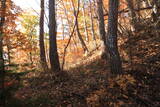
x,y
72,37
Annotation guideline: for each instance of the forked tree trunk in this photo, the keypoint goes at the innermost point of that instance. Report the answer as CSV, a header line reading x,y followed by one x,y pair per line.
x,y
84,46
41,39
68,21
53,54
114,57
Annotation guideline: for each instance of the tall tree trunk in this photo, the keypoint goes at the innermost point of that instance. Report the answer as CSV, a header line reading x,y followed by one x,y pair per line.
x,y
85,22
92,23
133,19
80,38
133,22
77,27
138,6
41,39
2,72
114,57
53,54
102,31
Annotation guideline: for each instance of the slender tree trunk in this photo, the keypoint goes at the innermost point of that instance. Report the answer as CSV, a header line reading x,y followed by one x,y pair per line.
x,y
138,6
92,23
114,57
41,39
77,27
80,38
133,22
95,15
85,22
102,31
101,20
67,17
133,19
2,70
53,54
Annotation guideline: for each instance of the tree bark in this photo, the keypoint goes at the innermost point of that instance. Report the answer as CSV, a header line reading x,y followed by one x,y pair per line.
x,y
114,57
133,19
71,33
92,23
77,27
102,31
2,70
41,39
53,54
133,22
85,22
101,20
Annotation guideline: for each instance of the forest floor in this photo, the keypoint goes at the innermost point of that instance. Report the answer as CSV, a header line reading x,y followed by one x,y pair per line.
x,y
92,85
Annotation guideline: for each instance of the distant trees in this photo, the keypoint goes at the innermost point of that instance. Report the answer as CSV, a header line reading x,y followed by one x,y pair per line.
x,y
29,24
114,57
53,54
2,72
41,38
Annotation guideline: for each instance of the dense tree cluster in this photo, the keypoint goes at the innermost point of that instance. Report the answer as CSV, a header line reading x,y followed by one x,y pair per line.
x,y
72,31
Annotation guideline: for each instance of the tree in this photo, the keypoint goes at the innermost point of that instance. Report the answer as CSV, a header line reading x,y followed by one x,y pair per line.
x,y
53,54
92,22
114,58
10,43
2,72
41,38
133,19
29,23
102,31
77,26
85,21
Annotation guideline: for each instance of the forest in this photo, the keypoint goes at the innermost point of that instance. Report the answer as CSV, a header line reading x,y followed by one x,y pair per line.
x,y
80,53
